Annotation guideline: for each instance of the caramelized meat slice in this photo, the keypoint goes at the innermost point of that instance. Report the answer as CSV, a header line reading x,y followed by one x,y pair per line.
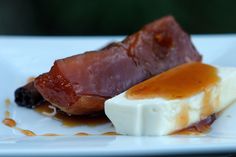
x,y
80,84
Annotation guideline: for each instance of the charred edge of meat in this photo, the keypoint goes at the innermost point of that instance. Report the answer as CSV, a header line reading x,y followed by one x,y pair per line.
x,y
28,96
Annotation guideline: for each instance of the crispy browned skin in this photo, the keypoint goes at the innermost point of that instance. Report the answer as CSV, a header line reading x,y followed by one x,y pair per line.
x,y
80,84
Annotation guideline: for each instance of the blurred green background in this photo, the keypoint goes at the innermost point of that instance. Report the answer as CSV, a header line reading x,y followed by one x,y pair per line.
x,y
112,17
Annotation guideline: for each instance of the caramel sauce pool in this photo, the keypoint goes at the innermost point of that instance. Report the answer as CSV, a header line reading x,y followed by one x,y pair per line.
x,y
180,82
72,121
64,118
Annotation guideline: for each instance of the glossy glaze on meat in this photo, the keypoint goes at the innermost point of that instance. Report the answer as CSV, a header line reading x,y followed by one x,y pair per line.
x,y
80,84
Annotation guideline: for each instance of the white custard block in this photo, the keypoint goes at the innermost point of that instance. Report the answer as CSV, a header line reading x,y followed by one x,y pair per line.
x,y
158,116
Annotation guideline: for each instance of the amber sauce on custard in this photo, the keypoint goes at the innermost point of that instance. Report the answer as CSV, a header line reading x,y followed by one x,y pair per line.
x,y
182,82
183,117
72,121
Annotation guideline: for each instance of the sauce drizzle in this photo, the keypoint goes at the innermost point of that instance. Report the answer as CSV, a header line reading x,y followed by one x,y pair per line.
x,y
27,132
180,82
82,134
66,119
110,134
51,134
182,118
198,128
7,102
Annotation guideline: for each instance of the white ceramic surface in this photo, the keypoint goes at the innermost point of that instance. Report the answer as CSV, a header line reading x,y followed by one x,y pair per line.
x,y
22,57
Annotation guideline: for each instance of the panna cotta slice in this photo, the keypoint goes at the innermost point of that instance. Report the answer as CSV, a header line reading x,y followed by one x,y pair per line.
x,y
172,100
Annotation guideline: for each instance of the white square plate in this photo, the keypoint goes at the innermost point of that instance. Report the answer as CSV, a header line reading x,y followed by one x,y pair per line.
x,y
22,57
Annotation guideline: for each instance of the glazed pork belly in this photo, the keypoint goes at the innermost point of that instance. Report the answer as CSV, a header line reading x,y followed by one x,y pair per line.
x,y
80,84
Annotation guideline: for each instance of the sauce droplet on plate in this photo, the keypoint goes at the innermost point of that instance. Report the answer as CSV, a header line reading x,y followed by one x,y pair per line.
x,y
82,134
51,134
7,114
7,102
110,134
9,122
27,132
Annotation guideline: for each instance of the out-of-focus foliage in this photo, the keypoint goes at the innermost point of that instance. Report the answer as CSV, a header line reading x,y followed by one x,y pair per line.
x,y
112,17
